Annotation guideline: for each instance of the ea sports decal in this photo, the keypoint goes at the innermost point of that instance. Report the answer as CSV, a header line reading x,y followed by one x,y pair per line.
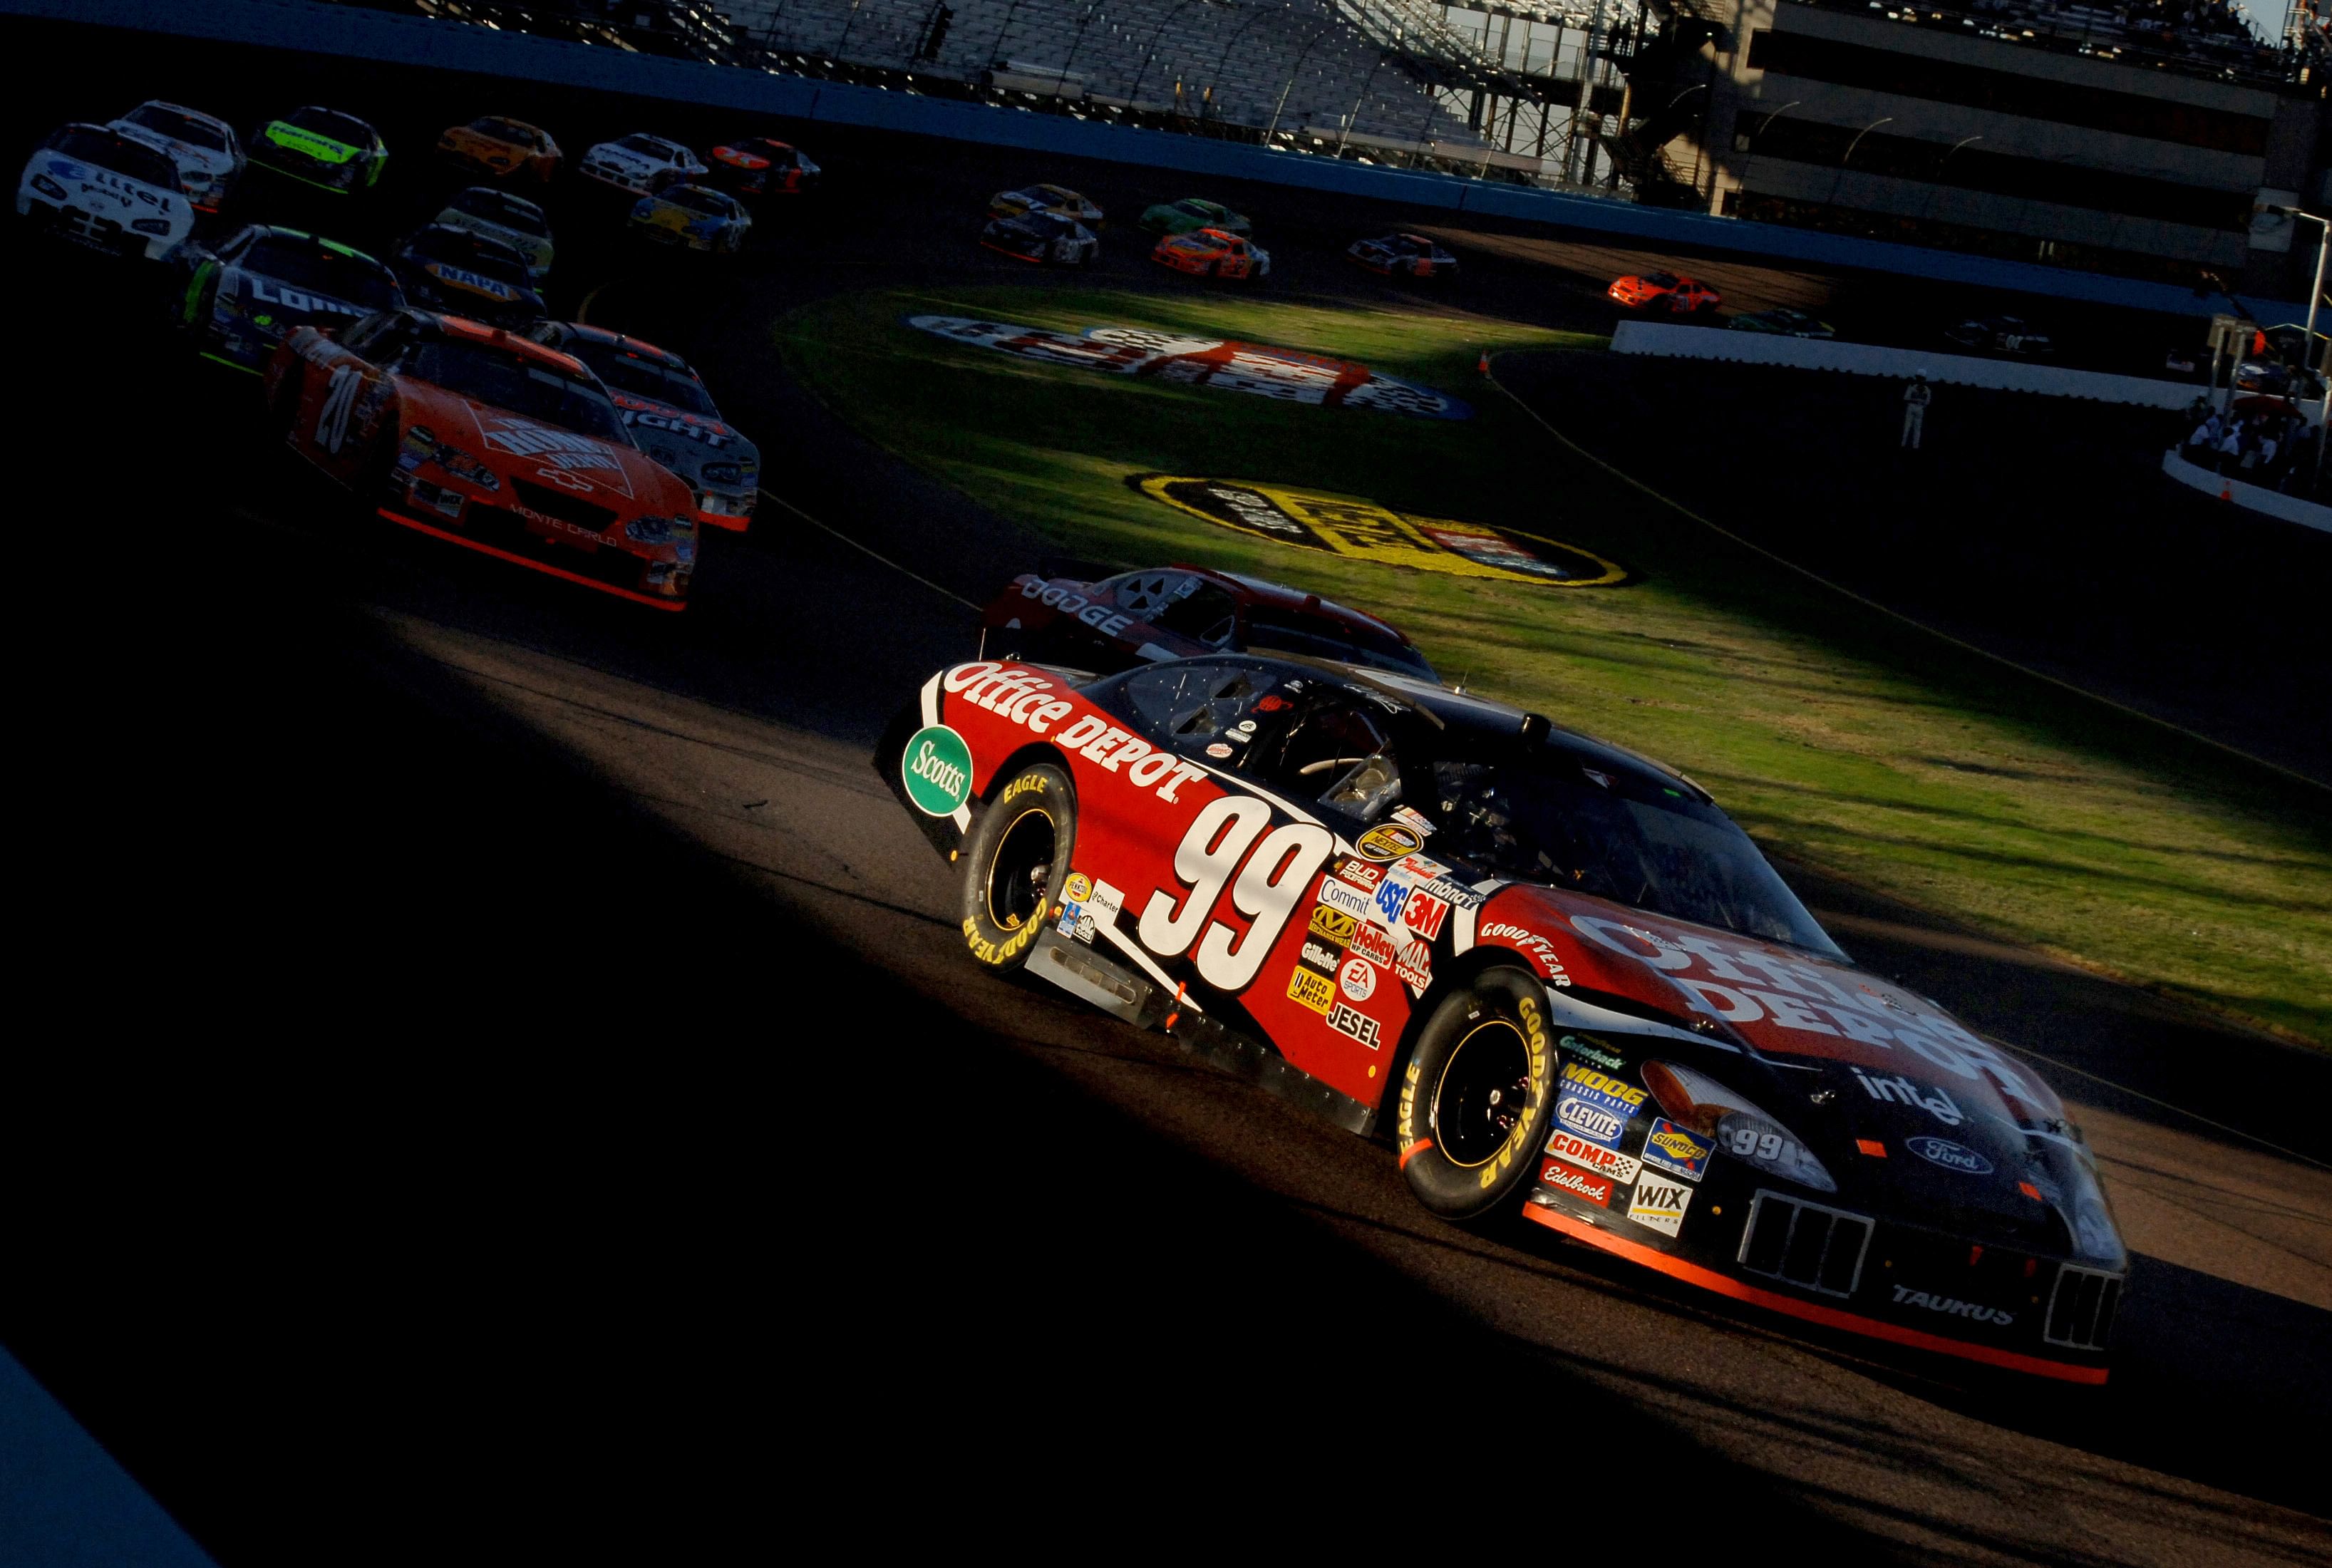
x,y
936,769
1290,375
1361,529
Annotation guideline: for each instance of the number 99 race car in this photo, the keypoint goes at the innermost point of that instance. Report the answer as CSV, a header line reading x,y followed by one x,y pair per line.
x,y
1552,975
1042,237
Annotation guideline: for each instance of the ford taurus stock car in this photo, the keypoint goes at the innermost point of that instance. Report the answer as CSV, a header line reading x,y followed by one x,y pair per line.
x,y
1553,976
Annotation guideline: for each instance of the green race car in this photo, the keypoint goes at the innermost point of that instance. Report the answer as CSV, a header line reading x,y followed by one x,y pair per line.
x,y
321,148
1191,214
1782,321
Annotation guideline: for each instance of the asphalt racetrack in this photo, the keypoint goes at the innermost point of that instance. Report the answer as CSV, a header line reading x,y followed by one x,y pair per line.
x,y
505,1077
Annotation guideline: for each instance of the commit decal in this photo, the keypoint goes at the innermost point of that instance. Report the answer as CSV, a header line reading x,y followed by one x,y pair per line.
x,y
1288,374
1346,526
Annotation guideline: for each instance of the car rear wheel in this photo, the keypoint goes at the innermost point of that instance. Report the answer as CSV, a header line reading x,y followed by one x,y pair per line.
x,y
1015,865
1476,1095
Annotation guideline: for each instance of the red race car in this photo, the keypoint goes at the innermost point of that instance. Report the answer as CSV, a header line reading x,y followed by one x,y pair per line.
x,y
1212,254
1550,975
1664,292
470,434
1171,613
760,165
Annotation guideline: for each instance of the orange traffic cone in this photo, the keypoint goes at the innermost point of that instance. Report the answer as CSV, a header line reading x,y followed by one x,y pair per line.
x,y
1484,366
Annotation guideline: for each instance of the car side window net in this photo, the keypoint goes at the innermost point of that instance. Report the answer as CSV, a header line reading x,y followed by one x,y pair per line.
x,y
1187,702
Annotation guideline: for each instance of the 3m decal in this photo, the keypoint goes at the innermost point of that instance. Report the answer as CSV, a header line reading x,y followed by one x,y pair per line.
x,y
1424,913
1951,1156
1389,841
1901,1090
1335,924
1346,1019
1590,1121
1315,991
1361,529
1676,1151
1562,1177
1357,979
936,767
1601,1089
1660,1203
1951,1306
1577,1151
1588,1048
1270,880
1338,894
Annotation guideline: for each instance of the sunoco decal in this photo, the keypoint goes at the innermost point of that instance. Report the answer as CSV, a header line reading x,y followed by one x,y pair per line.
x,y
1347,525
1290,375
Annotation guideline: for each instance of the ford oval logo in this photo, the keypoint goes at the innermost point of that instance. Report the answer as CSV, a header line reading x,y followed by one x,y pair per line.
x,y
1951,1156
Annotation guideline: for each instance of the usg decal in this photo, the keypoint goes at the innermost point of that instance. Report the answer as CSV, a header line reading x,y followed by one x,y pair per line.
x,y
937,770
1951,1156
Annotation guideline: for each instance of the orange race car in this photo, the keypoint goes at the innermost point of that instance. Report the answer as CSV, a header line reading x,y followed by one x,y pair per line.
x,y
1213,253
488,440
502,149
1664,291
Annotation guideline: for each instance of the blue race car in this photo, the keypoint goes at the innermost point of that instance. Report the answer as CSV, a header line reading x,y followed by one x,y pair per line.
x,y
241,298
462,273
694,218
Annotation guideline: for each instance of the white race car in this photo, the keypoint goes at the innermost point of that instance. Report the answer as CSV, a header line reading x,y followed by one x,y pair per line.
x,y
641,163
203,147
99,188
499,215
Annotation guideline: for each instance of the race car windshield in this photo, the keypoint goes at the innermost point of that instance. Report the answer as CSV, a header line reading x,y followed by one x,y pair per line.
x,y
1551,817
520,384
703,202
497,208
1662,279
1294,631
460,248
344,129
504,130
643,378
177,126
1198,210
648,145
117,153
310,267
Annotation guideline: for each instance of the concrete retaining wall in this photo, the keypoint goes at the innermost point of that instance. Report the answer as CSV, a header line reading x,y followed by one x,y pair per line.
x,y
375,35
2251,497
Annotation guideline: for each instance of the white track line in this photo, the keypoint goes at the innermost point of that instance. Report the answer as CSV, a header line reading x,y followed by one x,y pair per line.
x,y
886,560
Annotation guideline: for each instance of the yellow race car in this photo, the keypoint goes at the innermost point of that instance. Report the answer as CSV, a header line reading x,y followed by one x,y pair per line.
x,y
693,217
502,149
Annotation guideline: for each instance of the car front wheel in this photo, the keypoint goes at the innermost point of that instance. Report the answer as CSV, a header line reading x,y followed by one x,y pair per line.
x,y
1476,1095
1015,865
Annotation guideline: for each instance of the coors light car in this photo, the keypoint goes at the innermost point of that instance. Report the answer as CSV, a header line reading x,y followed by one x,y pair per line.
x,y
201,146
100,189
671,416
641,164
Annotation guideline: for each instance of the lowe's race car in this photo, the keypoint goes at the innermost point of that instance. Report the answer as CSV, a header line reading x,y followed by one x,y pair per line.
x,y
671,416
201,146
102,189
244,298
457,271
1552,975
1043,237
513,220
321,148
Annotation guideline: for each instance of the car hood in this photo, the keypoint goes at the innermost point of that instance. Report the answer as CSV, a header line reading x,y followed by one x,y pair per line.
x,y
463,281
184,154
691,440
322,149
516,446
292,306
608,152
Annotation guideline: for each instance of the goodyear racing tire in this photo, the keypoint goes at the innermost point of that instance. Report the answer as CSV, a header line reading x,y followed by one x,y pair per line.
x,y
1476,1095
1015,865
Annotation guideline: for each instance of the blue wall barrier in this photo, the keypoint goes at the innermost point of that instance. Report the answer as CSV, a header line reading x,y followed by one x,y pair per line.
x,y
381,36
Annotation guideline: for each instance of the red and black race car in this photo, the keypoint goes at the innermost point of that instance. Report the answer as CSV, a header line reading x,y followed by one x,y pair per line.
x,y
1173,612
1408,255
762,166
1553,976
468,433
1664,291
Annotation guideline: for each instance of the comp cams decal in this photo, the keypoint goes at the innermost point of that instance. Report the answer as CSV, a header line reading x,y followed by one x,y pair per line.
x,y
1348,526
1575,1150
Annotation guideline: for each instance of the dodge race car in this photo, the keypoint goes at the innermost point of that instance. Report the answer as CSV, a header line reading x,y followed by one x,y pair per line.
x,y
1552,975
513,220
1183,217
640,163
1054,199
762,166
670,416
100,189
202,147
1143,616
494,443
1044,238
1664,291
322,148
1410,255
500,148
453,269
694,218
1212,254
244,298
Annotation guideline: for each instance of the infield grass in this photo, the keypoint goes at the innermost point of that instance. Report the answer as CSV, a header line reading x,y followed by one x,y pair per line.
x,y
1835,734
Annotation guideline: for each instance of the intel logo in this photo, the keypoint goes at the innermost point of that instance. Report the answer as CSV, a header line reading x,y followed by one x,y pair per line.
x,y
1951,1156
1590,1121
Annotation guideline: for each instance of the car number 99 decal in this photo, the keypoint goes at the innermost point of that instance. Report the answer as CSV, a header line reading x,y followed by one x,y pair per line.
x,y
1269,881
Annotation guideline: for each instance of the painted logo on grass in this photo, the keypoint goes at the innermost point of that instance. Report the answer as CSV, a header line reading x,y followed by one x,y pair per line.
x,y
937,770
1362,530
1290,375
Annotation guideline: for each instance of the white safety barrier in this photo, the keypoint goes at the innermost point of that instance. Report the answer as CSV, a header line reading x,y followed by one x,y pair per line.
x,y
1671,341
2251,497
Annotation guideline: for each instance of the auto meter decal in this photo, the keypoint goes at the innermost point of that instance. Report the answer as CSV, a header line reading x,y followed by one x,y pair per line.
x,y
1361,529
937,771
1290,375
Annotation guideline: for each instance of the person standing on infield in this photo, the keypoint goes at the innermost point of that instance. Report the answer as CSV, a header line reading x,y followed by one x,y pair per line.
x,y
1915,399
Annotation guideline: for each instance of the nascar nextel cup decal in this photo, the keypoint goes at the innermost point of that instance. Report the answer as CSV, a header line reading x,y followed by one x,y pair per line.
x,y
937,771
1362,531
1287,374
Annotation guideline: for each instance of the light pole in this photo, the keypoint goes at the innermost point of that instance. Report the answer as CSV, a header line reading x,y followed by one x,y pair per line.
x,y
1937,183
1366,82
2315,296
1134,93
1831,199
848,23
1296,70
1084,22
1749,143
996,48
1256,15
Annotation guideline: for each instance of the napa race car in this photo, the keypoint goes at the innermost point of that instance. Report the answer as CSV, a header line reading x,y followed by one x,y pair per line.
x,y
1783,322
245,297
762,166
640,162
672,419
1160,612
99,188
513,220
322,148
1552,976
491,442
502,149
1190,216
451,269
1664,291
1044,238
1410,255
1052,199
202,147
693,217
1212,254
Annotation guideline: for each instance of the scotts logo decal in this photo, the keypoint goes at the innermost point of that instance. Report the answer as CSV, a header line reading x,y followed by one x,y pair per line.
x,y
1951,1156
1287,374
1361,529
1390,841
937,771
